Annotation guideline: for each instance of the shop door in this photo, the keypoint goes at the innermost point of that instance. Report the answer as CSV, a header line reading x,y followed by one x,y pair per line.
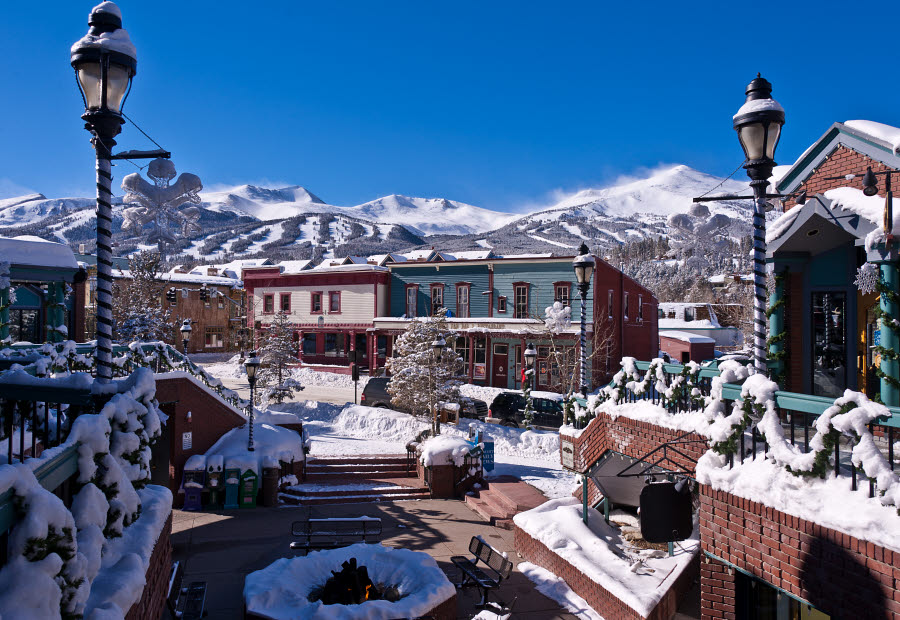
x,y
362,352
829,339
500,365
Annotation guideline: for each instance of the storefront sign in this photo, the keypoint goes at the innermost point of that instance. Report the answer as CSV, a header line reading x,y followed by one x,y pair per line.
x,y
487,456
480,371
567,450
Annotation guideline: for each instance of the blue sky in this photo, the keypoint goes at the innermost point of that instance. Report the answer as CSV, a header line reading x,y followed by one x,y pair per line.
x,y
497,104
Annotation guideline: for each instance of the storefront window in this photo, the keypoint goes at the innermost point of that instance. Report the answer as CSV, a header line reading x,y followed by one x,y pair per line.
x,y
829,363
309,344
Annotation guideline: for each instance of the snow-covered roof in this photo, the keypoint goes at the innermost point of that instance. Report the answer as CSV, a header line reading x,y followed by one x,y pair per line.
x,y
294,266
468,255
880,131
870,208
331,266
356,260
29,251
685,337
418,255
544,255
184,278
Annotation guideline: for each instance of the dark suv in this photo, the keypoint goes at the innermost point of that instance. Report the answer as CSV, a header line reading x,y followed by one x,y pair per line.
x,y
376,394
509,407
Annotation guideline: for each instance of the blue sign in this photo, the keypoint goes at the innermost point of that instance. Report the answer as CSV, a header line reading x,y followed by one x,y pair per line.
x,y
487,457
876,337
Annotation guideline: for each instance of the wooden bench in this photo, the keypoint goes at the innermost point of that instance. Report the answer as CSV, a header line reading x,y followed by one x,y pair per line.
x,y
496,568
334,533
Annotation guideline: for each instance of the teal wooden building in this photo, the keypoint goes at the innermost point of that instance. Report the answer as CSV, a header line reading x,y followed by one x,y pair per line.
x,y
825,332
41,291
496,307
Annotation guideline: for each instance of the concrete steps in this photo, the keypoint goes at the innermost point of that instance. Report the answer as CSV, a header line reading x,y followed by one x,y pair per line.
x,y
355,479
501,498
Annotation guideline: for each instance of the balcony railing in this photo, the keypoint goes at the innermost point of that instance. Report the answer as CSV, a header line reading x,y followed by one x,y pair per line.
x,y
798,413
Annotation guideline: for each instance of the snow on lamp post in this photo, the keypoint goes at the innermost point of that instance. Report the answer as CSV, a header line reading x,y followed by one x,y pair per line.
x,y
758,123
530,355
251,366
437,349
105,61
583,264
185,330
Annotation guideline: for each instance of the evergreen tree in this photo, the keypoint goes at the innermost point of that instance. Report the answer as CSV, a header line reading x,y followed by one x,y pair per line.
x,y
138,313
418,378
277,352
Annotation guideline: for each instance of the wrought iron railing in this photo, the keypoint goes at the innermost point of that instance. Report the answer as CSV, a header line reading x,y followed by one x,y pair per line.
x,y
798,413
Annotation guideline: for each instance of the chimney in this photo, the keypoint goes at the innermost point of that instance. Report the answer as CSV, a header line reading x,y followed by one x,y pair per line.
x,y
212,271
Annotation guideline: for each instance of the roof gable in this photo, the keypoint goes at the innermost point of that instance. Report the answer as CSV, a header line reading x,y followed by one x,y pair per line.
x,y
865,137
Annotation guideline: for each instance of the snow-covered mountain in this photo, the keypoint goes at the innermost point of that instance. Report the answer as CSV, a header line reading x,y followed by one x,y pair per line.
x,y
431,216
248,219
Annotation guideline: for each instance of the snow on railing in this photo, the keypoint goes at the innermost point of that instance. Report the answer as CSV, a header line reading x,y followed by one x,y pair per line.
x,y
54,550
741,407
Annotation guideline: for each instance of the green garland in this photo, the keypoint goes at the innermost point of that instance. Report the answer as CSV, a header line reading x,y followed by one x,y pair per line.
x,y
779,338
887,322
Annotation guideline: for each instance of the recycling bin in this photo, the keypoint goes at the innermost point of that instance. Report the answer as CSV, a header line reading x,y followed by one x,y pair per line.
x,y
270,486
232,488
215,480
249,487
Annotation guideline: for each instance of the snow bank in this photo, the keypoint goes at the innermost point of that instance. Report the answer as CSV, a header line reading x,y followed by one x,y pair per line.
x,y
646,411
122,577
268,440
555,588
597,550
281,590
377,423
828,502
444,449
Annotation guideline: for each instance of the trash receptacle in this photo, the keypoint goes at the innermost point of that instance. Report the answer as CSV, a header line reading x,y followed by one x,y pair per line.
x,y
270,486
215,480
232,487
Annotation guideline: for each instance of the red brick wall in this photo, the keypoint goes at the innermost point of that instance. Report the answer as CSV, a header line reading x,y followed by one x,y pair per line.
x,y
598,597
841,161
632,438
842,576
210,419
716,590
150,607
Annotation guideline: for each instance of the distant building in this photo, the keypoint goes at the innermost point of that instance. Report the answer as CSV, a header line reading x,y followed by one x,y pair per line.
x,y
692,331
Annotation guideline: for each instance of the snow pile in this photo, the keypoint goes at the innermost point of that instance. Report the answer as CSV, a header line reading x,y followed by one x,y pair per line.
x,y
829,502
49,540
120,582
557,589
443,450
269,441
780,226
597,550
883,132
116,41
646,411
282,589
481,392
870,208
377,423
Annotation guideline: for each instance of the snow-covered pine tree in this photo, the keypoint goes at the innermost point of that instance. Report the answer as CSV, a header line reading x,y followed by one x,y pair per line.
x,y
277,351
138,312
417,378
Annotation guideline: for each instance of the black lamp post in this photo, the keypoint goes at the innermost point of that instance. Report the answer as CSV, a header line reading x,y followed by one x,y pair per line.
x,y
530,355
251,366
104,61
584,269
437,349
185,330
758,123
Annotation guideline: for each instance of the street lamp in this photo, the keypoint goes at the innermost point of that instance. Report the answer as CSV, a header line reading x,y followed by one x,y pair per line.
x,y
758,123
251,366
437,349
185,330
584,269
104,61
530,355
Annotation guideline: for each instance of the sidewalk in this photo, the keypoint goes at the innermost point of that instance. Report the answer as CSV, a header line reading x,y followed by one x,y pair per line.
x,y
221,548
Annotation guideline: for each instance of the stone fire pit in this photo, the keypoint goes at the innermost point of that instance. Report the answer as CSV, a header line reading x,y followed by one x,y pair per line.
x,y
282,590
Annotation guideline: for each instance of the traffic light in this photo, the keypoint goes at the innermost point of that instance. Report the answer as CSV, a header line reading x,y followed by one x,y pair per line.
x,y
171,295
204,293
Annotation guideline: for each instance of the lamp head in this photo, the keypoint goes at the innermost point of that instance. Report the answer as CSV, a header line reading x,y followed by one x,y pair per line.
x,y
530,355
104,60
870,183
252,366
583,264
186,329
758,123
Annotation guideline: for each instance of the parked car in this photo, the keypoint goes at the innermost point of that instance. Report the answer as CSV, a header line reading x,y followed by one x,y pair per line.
x,y
509,407
376,394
